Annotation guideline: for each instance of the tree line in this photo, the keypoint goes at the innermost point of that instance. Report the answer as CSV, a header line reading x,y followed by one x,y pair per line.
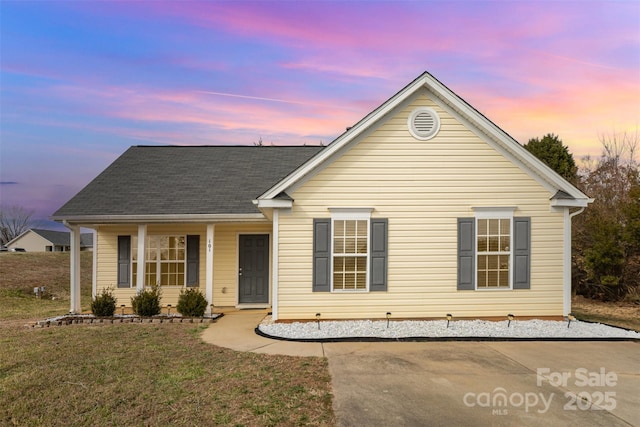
x,y
606,236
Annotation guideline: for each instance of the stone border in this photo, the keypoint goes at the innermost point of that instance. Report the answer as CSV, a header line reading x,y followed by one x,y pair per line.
x,y
92,320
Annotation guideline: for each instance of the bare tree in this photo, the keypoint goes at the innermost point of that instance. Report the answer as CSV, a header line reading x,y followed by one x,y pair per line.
x,y
14,220
607,235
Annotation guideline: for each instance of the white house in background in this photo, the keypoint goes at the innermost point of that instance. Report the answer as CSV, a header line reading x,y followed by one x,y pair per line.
x,y
36,240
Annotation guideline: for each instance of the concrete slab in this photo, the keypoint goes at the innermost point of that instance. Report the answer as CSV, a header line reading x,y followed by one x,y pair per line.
x,y
467,383
235,330
463,383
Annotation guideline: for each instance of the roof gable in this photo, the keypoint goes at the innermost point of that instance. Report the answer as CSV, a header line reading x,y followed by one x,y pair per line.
x,y
184,180
473,119
56,238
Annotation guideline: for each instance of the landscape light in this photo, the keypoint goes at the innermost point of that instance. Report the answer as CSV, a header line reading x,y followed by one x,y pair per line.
x,y
318,319
122,306
449,317
388,316
168,309
510,317
570,317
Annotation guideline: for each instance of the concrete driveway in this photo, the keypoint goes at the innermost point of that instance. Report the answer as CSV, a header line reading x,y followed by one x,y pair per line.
x,y
486,383
464,383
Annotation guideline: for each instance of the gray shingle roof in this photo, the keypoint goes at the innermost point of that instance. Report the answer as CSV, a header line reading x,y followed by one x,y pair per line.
x,y
174,180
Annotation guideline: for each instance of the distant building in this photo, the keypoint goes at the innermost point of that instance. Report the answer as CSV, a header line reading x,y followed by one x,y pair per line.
x,y
35,240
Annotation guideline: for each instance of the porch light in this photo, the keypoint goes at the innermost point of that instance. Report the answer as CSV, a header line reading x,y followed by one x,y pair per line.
x,y
388,316
571,317
318,319
510,317
449,318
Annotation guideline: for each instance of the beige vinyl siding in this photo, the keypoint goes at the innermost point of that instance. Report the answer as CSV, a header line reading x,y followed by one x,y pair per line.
x,y
225,259
422,187
31,242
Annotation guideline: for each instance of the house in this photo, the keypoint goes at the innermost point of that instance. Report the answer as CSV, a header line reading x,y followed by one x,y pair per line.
x,y
423,207
37,240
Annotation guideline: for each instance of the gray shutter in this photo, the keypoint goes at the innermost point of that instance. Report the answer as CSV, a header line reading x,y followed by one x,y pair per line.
x,y
124,261
321,254
378,255
466,253
521,253
193,260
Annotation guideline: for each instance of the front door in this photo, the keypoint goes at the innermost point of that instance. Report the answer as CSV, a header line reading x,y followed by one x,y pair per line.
x,y
253,274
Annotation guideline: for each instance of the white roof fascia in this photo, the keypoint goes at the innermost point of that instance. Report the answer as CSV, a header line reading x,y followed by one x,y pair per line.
x,y
158,219
568,203
496,137
273,203
344,139
517,151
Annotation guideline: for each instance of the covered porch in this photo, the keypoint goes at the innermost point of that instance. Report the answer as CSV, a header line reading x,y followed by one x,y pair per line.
x,y
230,262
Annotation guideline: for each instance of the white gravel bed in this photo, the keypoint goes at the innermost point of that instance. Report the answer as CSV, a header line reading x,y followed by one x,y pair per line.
x,y
539,329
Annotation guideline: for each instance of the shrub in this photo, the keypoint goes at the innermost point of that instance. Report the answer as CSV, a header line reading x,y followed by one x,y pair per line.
x,y
147,301
104,304
192,303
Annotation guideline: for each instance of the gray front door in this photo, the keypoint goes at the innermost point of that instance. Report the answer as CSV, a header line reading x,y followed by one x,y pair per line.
x,y
253,274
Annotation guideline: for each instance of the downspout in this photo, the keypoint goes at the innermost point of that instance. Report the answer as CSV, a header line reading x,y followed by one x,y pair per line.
x,y
566,309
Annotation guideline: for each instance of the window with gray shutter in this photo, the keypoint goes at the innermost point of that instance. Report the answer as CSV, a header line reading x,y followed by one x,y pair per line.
x,y
124,261
521,253
193,260
321,254
378,254
466,254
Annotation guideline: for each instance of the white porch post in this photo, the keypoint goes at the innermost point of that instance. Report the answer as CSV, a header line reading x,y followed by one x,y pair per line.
x,y
94,273
75,306
142,238
274,256
209,267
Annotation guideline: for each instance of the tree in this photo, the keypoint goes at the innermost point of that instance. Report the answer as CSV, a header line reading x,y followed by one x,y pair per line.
x,y
607,234
550,150
14,220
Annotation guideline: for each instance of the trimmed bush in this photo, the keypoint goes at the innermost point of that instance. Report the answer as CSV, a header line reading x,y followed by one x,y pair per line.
x,y
191,303
147,301
104,305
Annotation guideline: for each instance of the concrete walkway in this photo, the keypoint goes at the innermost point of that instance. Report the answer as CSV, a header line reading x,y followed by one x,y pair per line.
x,y
235,330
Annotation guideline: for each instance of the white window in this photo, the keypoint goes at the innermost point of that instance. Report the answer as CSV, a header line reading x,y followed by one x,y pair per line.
x,y
165,260
350,249
494,242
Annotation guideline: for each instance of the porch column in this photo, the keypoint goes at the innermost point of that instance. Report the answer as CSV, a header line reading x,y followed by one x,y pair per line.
x,y
94,273
209,267
140,271
75,306
275,256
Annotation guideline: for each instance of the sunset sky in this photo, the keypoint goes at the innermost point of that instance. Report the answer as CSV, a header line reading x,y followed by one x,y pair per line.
x,y
81,81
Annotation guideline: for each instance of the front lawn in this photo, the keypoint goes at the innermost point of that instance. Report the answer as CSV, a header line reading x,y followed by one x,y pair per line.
x,y
152,374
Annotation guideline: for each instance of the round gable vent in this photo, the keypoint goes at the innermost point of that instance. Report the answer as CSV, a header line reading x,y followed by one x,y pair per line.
x,y
424,123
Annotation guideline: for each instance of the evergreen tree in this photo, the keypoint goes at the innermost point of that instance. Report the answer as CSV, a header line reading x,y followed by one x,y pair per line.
x,y
554,154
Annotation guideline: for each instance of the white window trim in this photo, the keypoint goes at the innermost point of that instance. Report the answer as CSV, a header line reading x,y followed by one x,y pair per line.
x,y
158,261
494,213
355,214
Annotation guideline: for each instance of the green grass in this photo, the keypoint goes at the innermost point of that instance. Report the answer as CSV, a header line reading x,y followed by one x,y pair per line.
x,y
21,272
152,374
136,373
